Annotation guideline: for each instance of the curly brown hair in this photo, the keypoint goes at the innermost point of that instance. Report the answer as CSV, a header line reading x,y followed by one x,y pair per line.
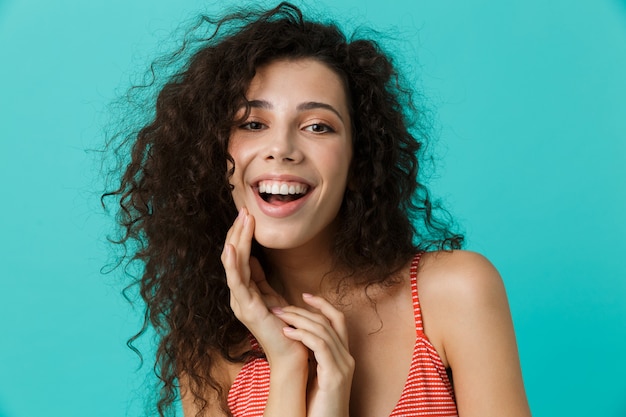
x,y
175,204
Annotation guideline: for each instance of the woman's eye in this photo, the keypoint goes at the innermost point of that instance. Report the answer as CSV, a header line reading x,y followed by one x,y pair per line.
x,y
252,126
319,128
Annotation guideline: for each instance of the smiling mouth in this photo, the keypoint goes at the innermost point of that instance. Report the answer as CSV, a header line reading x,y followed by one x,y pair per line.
x,y
280,192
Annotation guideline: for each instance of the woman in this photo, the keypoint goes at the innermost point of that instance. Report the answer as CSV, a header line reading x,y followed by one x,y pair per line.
x,y
294,265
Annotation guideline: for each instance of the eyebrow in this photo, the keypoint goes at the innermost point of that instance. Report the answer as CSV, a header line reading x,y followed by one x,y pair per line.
x,y
309,105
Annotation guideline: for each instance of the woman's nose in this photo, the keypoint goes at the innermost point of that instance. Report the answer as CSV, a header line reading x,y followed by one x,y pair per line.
x,y
283,146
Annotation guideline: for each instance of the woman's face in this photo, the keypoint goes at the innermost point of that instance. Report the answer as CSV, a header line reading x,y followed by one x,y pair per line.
x,y
292,154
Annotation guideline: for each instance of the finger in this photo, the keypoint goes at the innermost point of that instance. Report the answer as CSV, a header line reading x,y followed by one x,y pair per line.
x,y
236,226
244,243
302,317
232,237
334,316
331,358
234,280
313,330
299,317
323,351
240,238
236,258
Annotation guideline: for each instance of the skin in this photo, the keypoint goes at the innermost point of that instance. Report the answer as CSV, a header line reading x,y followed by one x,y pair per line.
x,y
294,136
292,313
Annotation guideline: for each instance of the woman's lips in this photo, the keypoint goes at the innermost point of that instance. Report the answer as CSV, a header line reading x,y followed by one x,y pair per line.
x,y
280,209
280,196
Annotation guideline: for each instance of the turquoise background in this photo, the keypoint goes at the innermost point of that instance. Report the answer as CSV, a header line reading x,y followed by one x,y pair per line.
x,y
530,103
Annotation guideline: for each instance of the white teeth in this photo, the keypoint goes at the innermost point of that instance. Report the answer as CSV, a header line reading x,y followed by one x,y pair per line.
x,y
277,187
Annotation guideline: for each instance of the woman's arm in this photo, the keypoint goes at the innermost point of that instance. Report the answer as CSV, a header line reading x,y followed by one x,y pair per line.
x,y
224,373
467,317
251,301
325,333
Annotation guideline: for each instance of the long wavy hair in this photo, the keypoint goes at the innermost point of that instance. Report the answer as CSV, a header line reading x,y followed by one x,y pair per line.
x,y
174,198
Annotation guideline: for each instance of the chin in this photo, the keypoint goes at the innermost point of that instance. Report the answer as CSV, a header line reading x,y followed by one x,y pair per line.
x,y
274,239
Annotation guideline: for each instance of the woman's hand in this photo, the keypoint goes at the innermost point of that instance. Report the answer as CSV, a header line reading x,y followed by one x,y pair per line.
x,y
326,335
251,296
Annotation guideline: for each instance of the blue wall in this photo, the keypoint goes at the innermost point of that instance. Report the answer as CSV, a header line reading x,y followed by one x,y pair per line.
x,y
530,101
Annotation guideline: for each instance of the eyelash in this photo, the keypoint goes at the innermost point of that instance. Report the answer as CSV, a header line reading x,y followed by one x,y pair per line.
x,y
248,125
254,125
325,127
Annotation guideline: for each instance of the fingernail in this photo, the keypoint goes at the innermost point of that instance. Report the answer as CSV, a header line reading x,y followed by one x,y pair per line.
x,y
288,329
307,295
240,212
277,310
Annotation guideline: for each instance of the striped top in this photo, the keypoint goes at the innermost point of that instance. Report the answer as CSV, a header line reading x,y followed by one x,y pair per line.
x,y
427,391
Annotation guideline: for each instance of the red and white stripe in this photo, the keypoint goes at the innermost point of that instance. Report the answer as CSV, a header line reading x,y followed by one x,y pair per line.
x,y
427,391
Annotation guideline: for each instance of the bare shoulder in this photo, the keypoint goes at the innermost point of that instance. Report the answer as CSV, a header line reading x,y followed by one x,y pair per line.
x,y
463,273
459,278
454,287
467,319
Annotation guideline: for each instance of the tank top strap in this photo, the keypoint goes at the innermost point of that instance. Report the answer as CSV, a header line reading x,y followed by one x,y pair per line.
x,y
417,312
254,344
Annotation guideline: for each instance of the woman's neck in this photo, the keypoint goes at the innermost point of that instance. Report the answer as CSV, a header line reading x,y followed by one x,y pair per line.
x,y
300,270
